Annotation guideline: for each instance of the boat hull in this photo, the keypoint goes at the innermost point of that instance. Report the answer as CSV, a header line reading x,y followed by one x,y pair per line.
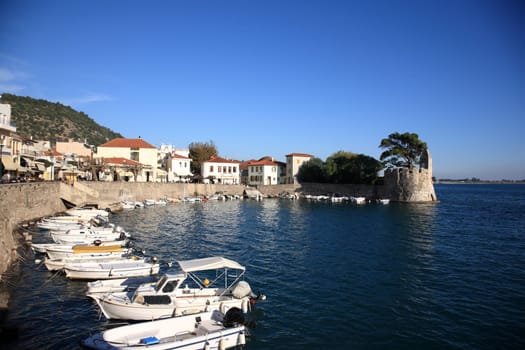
x,y
120,307
75,271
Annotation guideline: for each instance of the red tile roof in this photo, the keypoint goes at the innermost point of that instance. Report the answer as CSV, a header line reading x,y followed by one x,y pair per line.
x,y
221,160
178,156
120,161
52,153
266,161
127,143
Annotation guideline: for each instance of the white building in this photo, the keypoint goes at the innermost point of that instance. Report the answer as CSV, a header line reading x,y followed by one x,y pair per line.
x,y
178,167
220,170
143,155
293,163
6,129
266,171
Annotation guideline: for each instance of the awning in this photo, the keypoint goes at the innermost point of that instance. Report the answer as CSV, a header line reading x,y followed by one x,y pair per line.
x,y
10,165
213,263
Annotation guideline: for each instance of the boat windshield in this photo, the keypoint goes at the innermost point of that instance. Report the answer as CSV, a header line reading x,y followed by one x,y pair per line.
x,y
161,282
170,286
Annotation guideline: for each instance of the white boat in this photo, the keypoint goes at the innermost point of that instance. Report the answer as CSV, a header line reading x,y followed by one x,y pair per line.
x,y
338,198
87,212
79,236
110,270
128,205
216,283
66,222
209,330
60,251
192,199
58,264
41,247
358,200
149,202
60,225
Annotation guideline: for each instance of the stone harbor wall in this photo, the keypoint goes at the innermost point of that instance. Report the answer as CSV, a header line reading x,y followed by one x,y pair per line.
x,y
20,203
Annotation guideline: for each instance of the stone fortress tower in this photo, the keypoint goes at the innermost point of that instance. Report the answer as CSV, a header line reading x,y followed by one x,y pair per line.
x,y
411,185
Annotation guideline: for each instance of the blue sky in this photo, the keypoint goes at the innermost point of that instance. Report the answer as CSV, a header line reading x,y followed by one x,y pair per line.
x,y
274,77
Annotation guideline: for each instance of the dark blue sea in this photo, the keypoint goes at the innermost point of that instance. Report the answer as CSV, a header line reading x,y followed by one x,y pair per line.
x,y
449,275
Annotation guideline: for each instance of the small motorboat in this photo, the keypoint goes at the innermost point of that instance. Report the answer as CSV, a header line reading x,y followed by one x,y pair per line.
x,y
58,264
60,251
132,267
208,330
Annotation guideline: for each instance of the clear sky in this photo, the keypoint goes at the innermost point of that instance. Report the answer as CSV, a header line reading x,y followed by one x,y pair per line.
x,y
272,77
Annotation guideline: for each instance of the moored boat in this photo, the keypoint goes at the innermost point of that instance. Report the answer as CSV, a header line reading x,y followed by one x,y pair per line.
x,y
58,264
60,251
208,330
216,283
110,270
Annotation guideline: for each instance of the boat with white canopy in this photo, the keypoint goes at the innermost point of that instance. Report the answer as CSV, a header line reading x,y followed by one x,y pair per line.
x,y
197,285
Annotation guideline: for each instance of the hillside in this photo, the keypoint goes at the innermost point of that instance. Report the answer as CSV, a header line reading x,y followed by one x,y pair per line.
x,y
44,120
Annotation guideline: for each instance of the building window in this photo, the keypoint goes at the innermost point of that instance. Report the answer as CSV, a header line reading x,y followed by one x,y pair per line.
x,y
211,168
134,155
234,169
219,169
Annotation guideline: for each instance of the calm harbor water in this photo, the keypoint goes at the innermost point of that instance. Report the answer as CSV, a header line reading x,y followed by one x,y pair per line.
x,y
337,276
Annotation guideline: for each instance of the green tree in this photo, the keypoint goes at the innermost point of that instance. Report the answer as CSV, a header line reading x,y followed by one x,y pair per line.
x,y
350,168
335,166
402,150
311,171
199,153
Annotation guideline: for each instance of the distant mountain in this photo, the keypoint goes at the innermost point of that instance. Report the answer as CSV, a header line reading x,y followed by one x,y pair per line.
x,y
44,120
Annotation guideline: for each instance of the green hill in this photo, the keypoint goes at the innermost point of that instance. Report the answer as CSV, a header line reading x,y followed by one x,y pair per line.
x,y
44,120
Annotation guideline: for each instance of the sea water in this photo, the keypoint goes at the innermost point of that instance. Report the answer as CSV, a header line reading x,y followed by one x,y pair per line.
x,y
449,275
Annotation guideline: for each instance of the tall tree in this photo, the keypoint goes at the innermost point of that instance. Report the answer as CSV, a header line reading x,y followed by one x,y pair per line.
x,y
199,153
311,171
402,150
335,165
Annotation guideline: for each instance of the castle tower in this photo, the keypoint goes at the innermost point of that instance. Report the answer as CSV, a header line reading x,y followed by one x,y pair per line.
x,y
411,185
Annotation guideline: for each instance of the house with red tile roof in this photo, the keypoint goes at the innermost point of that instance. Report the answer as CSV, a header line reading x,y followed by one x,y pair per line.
x,y
266,171
127,157
221,170
293,163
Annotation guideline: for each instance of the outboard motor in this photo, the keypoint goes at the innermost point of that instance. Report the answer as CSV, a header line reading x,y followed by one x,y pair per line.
x,y
233,318
241,289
